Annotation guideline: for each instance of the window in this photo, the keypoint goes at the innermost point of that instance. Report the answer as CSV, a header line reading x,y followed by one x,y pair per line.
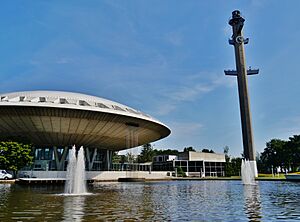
x,y
42,99
101,105
63,101
118,108
82,103
132,111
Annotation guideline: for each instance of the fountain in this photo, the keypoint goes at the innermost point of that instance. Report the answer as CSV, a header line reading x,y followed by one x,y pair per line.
x,y
248,174
75,179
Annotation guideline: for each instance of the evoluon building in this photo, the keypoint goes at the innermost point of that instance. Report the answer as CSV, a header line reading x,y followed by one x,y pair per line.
x,y
54,121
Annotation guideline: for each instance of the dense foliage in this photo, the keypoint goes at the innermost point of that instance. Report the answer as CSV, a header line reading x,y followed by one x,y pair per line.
x,y
15,155
165,152
280,153
232,165
180,172
146,153
207,151
187,149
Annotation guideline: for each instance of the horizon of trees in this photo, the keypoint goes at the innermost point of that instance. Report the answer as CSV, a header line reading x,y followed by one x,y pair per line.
x,y
148,152
277,153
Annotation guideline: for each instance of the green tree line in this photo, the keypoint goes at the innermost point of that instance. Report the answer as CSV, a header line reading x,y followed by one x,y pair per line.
x,y
280,153
148,152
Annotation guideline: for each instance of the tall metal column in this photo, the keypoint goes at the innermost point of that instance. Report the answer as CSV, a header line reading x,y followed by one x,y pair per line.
x,y
238,41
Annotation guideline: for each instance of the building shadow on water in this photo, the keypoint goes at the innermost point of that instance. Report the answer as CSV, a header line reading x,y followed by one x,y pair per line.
x,y
252,202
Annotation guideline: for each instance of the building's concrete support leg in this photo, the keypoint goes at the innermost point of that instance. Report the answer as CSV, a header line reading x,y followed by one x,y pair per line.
x,y
90,159
60,161
108,159
187,168
56,158
203,164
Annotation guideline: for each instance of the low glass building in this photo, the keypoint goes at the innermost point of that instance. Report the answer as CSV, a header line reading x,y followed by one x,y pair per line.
x,y
197,164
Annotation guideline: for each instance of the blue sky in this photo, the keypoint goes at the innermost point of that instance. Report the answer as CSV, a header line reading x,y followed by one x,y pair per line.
x,y
165,58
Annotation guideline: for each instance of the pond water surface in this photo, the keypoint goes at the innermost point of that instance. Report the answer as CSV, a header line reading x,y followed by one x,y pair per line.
x,y
154,201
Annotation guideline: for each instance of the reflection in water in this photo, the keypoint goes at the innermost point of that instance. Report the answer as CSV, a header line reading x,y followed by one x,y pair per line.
x,y
4,192
252,202
73,208
155,201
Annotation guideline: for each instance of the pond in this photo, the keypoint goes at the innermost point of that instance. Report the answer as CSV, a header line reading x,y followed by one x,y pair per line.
x,y
154,201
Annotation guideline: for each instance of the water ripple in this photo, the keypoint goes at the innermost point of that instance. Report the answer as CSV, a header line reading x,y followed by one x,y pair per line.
x,y
155,201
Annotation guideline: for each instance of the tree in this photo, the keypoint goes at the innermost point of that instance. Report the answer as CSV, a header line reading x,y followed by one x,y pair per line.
x,y
15,155
187,149
180,172
165,152
292,149
115,157
236,166
147,153
228,166
130,158
226,152
276,154
207,151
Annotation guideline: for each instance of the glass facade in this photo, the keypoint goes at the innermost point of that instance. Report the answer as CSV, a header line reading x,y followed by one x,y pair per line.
x,y
44,159
56,159
198,168
195,166
214,169
100,160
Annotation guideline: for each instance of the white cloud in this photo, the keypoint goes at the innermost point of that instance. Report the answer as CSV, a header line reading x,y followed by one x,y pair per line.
x,y
165,109
191,93
189,89
185,129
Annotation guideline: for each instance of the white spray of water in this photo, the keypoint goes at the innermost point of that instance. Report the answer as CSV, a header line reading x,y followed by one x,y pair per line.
x,y
248,174
75,180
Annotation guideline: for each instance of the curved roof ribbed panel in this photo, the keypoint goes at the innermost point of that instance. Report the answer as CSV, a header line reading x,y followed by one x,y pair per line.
x,y
65,118
62,99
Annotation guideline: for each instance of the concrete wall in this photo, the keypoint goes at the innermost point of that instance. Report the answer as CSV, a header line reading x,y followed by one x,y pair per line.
x,y
200,156
207,157
101,175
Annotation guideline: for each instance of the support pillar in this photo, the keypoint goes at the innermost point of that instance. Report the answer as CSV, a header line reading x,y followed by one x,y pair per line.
x,y
108,159
90,159
203,164
60,161
238,41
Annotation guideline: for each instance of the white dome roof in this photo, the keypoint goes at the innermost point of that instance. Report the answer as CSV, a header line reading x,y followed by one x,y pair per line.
x,y
64,118
72,100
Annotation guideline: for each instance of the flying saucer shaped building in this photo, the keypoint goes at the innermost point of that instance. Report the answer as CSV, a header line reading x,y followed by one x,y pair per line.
x,y
54,121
